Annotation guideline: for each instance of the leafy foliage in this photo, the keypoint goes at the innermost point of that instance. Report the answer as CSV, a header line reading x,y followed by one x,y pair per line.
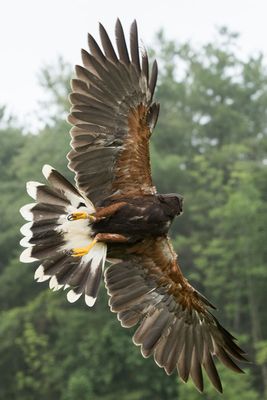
x,y
210,145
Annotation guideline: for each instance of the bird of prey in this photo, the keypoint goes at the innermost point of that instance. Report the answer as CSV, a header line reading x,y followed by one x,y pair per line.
x,y
115,213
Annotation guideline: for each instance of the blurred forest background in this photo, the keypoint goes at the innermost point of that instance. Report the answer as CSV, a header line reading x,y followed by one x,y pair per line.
x,y
211,146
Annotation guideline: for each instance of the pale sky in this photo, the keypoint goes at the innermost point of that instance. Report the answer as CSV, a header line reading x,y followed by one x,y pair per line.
x,y
34,33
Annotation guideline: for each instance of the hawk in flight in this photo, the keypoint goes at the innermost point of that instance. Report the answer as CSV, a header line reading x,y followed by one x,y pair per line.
x,y
116,214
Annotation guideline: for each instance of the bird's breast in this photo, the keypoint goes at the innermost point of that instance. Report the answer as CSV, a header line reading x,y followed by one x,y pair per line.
x,y
136,221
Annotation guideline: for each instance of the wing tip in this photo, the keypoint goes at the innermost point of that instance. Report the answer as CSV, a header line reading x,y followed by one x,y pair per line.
x,y
118,22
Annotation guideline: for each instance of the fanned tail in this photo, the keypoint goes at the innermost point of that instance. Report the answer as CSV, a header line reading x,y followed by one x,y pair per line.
x,y
49,237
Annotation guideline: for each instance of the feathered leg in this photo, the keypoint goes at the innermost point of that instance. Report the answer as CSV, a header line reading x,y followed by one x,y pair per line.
x,y
100,237
100,213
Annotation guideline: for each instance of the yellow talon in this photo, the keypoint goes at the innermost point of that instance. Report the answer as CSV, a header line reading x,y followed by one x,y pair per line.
x,y
82,251
81,215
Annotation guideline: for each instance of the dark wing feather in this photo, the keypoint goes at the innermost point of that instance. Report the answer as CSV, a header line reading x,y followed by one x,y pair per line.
x,y
107,45
134,47
154,77
113,113
145,65
175,321
95,49
121,44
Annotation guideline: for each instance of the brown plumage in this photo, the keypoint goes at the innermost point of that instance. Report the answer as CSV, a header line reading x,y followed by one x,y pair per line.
x,y
114,114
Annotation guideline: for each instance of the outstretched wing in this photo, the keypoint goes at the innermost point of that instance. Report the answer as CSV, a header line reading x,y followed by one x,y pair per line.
x,y
175,322
113,116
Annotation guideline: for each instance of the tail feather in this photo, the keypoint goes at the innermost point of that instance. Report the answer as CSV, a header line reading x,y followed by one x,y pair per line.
x,y
44,238
45,194
54,266
49,236
41,251
31,228
93,283
58,181
41,211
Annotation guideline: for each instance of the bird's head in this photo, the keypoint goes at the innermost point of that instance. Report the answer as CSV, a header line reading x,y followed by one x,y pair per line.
x,y
172,203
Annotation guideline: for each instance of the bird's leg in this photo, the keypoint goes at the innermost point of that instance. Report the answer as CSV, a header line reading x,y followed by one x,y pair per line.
x,y
104,212
100,213
81,215
100,237
111,238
